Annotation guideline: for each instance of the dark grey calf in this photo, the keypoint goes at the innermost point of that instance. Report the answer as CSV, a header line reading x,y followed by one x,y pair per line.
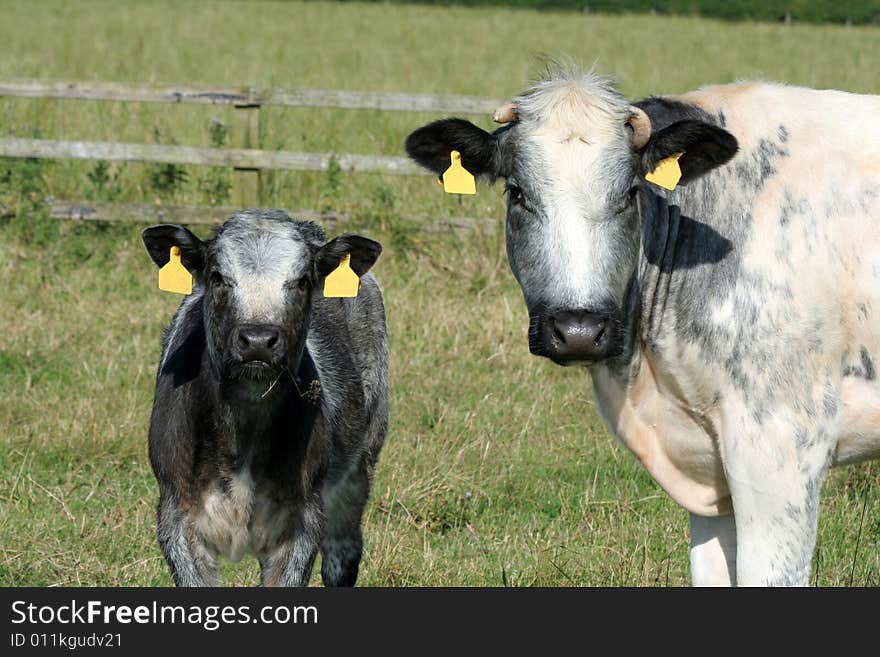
x,y
271,402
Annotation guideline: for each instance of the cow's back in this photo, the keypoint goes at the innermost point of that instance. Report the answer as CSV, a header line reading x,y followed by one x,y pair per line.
x,y
779,297
803,193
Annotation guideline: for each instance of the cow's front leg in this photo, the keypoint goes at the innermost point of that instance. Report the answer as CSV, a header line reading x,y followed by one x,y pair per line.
x,y
190,562
775,473
713,550
291,562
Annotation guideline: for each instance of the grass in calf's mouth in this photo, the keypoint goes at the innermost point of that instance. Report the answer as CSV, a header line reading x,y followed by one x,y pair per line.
x,y
269,389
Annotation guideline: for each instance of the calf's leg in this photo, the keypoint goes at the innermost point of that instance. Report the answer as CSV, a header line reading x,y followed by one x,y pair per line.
x,y
713,550
291,562
190,562
342,544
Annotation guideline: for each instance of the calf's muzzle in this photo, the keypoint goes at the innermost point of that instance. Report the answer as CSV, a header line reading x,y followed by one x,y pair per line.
x,y
259,342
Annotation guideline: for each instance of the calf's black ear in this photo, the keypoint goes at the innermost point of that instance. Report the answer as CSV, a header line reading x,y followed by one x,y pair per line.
x,y
705,147
364,253
431,145
159,240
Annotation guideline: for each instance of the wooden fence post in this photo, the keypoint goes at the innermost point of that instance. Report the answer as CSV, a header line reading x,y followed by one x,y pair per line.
x,y
246,181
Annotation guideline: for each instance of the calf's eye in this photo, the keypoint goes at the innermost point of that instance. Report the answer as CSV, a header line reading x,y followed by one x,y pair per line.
x,y
299,284
217,280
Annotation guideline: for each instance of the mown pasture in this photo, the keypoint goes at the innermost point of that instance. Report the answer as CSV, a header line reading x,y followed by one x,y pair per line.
x,y
497,469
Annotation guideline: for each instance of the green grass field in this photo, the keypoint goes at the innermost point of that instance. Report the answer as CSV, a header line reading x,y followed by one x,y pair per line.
x,y
497,469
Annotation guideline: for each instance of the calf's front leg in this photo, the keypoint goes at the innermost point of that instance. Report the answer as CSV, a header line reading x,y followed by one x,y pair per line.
x,y
190,562
291,562
342,544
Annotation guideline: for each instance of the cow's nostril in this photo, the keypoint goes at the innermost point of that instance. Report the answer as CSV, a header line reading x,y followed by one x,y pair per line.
x,y
598,339
559,335
243,339
272,341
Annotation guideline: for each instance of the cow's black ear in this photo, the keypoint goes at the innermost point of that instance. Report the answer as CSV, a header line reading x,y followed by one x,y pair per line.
x,y
159,240
364,253
432,144
705,147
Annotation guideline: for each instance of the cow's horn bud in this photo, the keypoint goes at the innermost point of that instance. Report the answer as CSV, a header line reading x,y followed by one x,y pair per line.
x,y
505,114
641,126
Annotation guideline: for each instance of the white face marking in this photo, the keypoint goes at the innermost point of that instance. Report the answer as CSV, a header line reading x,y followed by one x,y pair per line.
x,y
572,250
580,244
260,264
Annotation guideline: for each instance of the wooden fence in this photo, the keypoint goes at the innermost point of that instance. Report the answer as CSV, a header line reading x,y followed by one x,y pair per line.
x,y
245,156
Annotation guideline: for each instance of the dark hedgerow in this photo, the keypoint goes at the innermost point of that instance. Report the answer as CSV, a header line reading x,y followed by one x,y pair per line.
x,y
809,11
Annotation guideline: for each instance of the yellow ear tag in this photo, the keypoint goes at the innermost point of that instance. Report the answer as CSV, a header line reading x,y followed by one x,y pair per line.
x,y
174,277
667,173
342,281
457,179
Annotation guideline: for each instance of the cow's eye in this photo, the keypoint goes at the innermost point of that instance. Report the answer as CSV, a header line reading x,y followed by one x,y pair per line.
x,y
515,195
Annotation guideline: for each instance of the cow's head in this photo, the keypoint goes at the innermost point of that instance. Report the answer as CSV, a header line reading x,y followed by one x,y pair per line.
x,y
574,157
258,275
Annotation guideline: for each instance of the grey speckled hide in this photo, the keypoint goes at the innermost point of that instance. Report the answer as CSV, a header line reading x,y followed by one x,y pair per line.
x,y
271,402
730,326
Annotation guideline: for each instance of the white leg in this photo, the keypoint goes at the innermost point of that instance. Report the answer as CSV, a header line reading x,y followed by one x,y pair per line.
x,y
713,550
775,474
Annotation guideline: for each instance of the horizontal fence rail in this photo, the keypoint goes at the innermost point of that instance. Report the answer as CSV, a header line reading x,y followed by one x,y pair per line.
x,y
245,156
148,213
245,96
240,158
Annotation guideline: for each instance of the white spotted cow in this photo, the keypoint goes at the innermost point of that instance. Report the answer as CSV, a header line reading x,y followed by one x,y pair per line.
x,y
731,326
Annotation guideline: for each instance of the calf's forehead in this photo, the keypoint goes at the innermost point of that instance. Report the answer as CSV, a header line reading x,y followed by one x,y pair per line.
x,y
260,262
262,252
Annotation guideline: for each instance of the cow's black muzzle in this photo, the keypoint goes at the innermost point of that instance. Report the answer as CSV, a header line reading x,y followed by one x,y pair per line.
x,y
574,336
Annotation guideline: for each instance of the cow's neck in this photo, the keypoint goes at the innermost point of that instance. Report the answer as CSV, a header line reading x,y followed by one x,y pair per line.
x,y
668,240
644,396
661,232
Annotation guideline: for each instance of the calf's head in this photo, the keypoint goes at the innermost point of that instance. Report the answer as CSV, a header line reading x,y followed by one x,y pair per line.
x,y
257,277
573,158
